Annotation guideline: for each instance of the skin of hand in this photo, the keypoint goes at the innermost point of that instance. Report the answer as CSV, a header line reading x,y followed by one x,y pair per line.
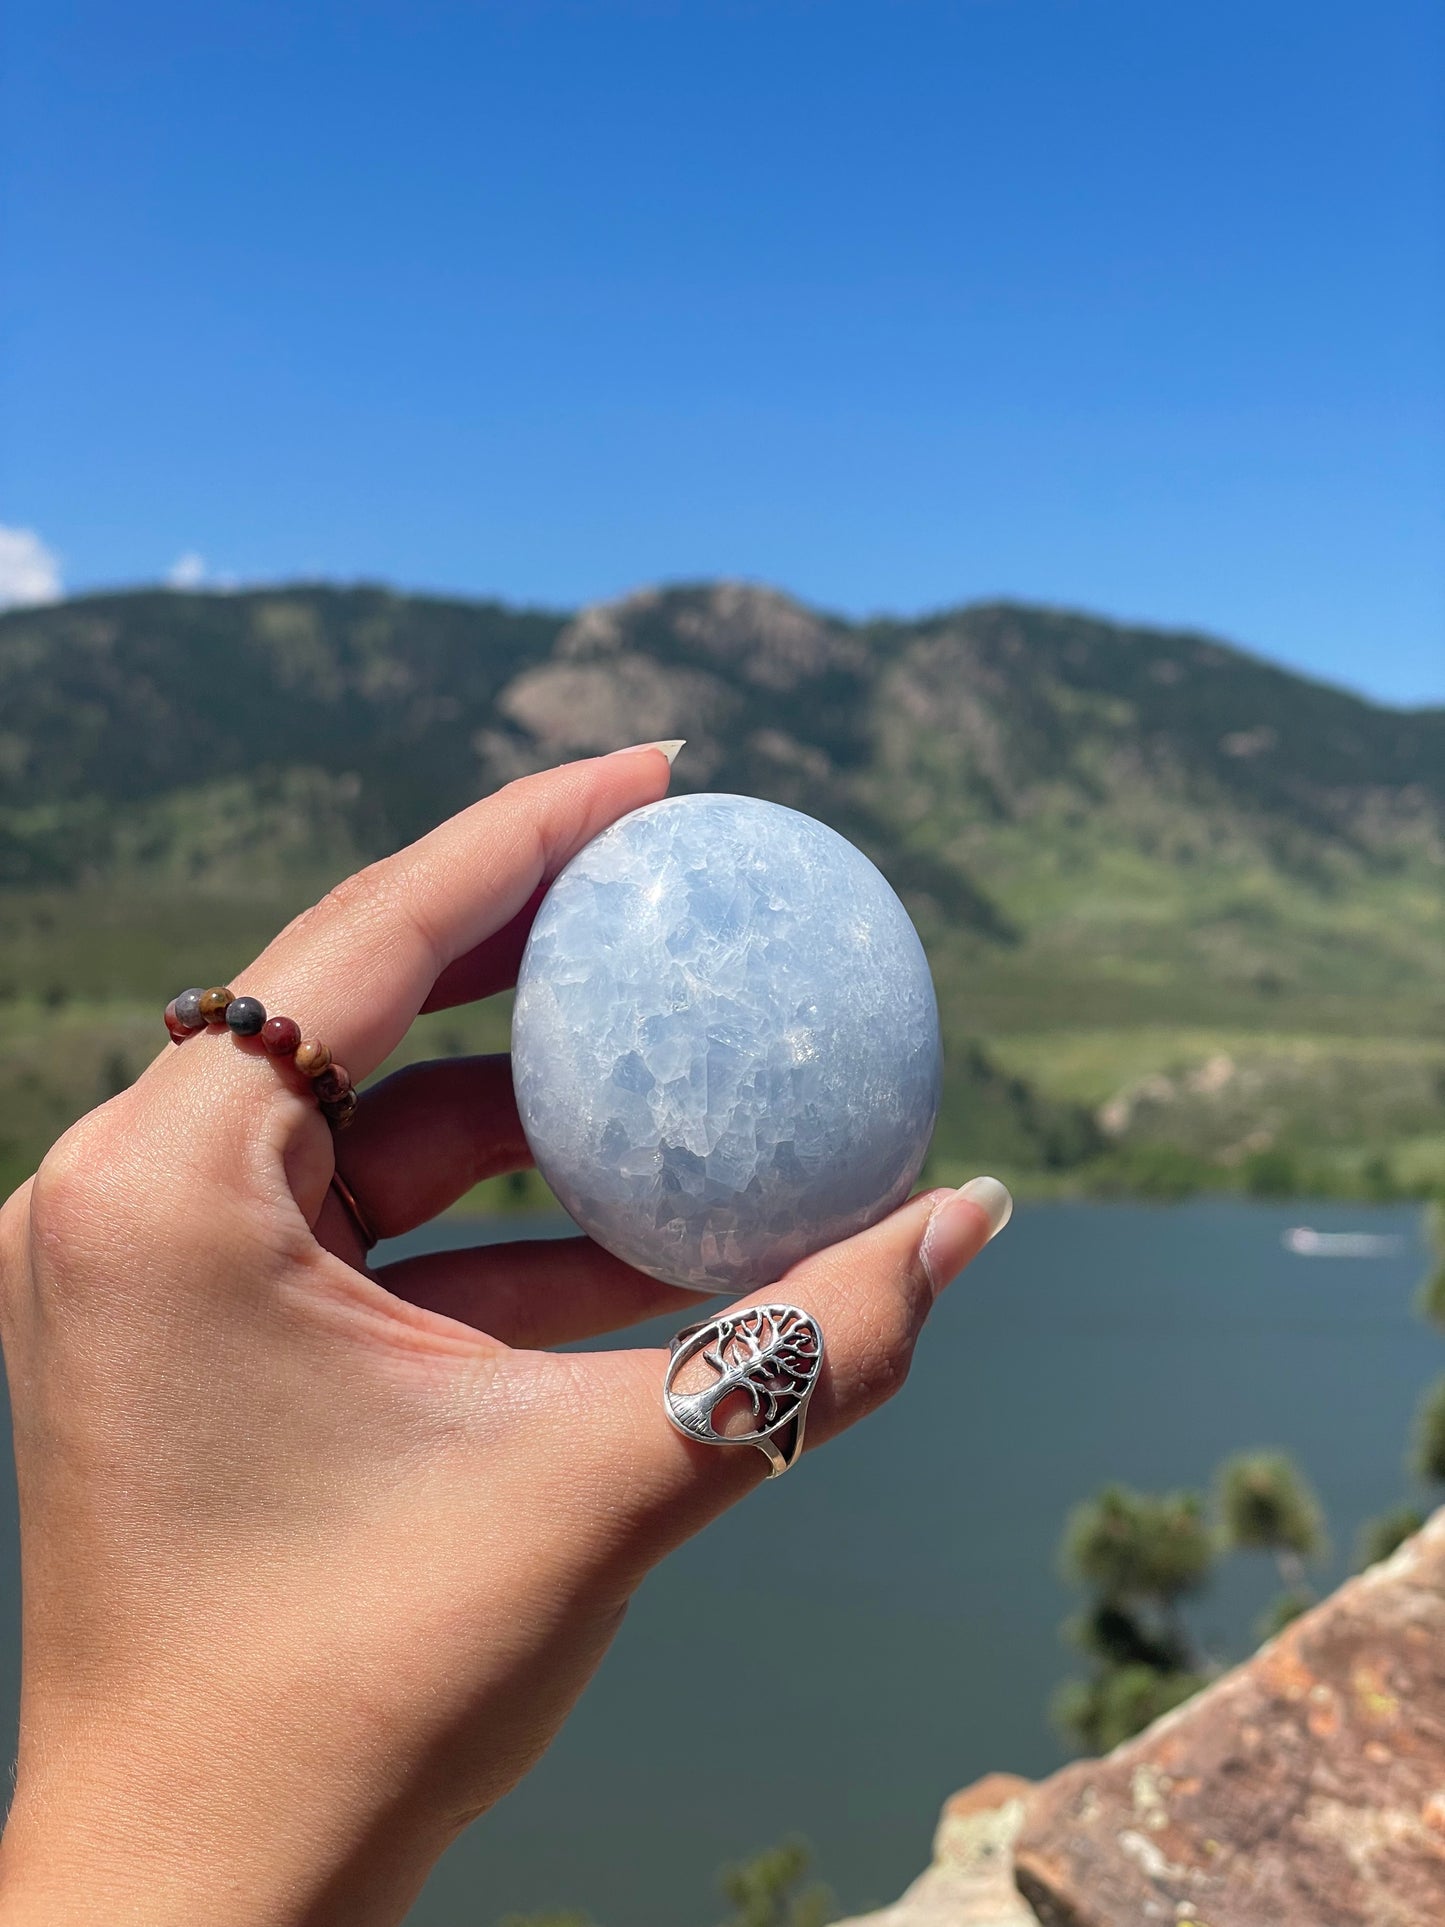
x,y
315,1561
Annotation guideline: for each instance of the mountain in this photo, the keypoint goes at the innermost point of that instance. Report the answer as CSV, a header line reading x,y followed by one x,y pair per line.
x,y
1185,908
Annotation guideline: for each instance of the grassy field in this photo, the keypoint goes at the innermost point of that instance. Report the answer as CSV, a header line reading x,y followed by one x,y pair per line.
x,y
1058,1079
1359,1115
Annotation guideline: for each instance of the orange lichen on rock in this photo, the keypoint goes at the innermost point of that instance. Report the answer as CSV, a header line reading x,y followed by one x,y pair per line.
x,y
1304,1789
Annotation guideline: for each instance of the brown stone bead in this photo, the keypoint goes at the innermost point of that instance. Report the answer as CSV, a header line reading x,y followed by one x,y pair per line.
x,y
332,1083
281,1036
177,1029
312,1058
213,1004
340,1111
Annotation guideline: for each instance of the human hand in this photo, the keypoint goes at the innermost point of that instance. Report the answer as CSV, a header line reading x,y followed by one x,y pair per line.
x,y
316,1561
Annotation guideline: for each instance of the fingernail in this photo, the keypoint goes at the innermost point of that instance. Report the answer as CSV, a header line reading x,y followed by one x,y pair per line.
x,y
993,1199
669,748
951,1236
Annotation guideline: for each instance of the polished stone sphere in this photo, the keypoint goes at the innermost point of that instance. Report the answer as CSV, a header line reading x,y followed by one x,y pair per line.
x,y
725,1042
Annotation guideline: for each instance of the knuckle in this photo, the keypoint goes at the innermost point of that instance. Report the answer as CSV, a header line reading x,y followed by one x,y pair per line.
x,y
885,1347
524,788
363,893
377,899
82,1176
65,1181
883,1366
352,898
534,829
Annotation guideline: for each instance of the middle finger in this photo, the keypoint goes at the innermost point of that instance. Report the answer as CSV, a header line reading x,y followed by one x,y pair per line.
x,y
425,1135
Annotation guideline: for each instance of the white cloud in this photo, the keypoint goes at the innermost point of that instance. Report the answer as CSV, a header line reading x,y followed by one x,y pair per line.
x,y
188,571
29,572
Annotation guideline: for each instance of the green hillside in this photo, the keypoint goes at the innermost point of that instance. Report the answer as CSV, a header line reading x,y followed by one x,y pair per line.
x,y
1186,910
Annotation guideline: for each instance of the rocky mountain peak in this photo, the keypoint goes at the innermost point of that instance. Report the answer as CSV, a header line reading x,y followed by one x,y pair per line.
x,y
756,634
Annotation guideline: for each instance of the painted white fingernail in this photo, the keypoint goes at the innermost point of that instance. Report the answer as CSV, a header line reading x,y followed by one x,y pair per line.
x,y
669,748
992,1198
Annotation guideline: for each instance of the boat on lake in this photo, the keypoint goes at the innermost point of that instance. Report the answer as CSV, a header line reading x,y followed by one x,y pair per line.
x,y
1306,1242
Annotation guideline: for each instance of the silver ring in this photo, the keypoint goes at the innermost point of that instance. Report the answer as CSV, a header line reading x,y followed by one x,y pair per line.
x,y
768,1354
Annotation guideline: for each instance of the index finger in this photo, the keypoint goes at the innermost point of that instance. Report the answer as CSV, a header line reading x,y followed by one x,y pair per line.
x,y
356,969
870,1296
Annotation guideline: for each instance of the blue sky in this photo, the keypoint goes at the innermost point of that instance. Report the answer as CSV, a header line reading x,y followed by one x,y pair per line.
x,y
1131,305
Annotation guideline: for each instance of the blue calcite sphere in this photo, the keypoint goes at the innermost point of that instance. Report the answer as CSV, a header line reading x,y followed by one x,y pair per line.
x,y
725,1041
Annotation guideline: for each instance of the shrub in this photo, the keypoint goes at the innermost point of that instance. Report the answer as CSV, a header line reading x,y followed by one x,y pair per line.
x,y
1130,1545
1265,1505
1386,1534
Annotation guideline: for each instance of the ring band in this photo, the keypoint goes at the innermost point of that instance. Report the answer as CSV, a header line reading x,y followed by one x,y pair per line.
x,y
347,1198
766,1355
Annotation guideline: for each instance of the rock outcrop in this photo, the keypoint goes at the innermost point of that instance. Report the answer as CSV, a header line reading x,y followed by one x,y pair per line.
x,y
970,1883
1304,1789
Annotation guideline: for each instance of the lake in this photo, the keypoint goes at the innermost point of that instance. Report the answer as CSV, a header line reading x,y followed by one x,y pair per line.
x,y
885,1619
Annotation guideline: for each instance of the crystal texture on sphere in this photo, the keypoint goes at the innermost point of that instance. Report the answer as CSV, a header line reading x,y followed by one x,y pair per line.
x,y
725,1041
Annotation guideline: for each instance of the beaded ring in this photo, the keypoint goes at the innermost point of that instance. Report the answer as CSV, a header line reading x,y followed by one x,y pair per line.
x,y
196,1010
